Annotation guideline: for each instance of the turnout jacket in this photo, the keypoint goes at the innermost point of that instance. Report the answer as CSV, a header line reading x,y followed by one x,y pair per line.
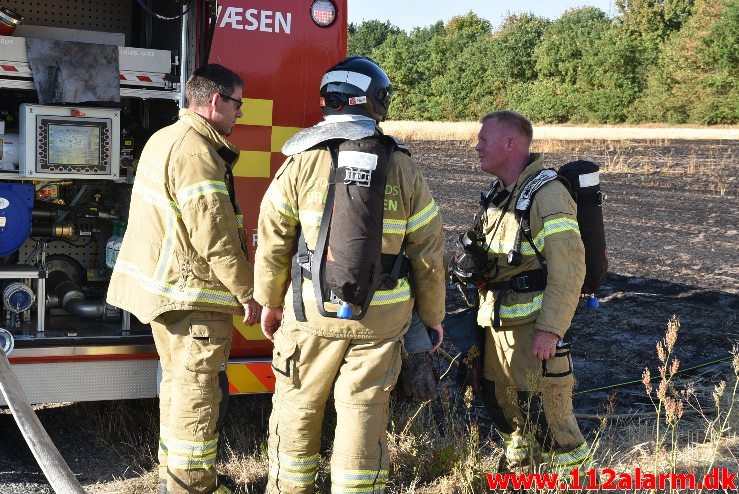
x,y
411,221
185,247
554,229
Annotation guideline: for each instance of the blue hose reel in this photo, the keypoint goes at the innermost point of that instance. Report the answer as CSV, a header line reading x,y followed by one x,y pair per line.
x,y
16,203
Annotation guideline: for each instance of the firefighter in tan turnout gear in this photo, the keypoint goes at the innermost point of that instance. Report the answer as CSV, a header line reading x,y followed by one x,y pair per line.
x,y
326,338
183,267
528,297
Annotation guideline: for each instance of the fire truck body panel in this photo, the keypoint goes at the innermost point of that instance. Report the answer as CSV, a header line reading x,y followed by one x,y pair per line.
x,y
278,51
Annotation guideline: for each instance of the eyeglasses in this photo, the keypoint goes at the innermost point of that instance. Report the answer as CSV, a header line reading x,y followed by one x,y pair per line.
x,y
237,101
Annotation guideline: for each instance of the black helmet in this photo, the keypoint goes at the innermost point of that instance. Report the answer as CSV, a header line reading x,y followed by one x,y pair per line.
x,y
356,86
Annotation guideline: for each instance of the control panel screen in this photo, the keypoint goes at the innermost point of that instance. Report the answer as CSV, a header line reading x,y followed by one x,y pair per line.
x,y
74,145
65,142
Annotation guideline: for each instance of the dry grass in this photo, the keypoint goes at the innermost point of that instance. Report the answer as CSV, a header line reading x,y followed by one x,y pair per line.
x,y
447,445
467,131
446,448
655,159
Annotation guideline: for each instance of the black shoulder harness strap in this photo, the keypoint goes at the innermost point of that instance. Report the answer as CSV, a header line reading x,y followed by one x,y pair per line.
x,y
523,210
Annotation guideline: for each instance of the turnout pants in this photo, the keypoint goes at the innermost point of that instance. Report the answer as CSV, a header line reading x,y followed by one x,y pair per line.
x,y
193,349
531,401
362,373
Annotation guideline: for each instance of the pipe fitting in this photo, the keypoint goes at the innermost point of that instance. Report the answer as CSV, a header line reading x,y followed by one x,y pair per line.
x,y
71,298
7,342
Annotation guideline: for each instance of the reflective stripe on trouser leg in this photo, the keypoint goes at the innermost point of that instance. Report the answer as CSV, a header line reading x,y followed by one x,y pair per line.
x,y
578,457
510,363
304,366
517,449
199,344
362,394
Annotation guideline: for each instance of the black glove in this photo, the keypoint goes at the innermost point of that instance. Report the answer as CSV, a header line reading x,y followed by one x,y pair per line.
x,y
417,380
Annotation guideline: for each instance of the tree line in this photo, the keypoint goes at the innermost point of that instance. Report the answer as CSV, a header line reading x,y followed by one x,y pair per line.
x,y
672,61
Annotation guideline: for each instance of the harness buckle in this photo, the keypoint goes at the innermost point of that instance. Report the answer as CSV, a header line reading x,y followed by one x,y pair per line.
x,y
600,198
521,282
305,259
358,176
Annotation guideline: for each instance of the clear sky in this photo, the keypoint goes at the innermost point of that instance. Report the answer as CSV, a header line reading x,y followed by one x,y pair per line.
x,y
408,14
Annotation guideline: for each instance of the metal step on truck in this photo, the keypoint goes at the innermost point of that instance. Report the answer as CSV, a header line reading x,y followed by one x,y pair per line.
x,y
67,168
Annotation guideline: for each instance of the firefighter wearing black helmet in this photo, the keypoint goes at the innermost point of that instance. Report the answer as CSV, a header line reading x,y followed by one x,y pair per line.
x,y
319,346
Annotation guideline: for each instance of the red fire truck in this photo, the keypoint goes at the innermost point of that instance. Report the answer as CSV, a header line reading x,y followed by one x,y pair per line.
x,y
66,170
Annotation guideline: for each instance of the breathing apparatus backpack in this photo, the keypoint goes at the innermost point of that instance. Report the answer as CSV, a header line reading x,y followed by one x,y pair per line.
x,y
584,180
581,178
347,266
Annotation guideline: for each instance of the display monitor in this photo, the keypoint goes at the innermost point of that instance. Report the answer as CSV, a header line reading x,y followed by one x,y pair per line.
x,y
63,142
75,145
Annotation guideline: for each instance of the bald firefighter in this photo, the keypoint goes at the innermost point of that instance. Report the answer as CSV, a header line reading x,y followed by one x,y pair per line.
x,y
368,244
183,268
529,290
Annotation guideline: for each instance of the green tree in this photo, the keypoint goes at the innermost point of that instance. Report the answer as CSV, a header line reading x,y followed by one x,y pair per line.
x,y
696,79
610,80
455,66
545,101
368,36
405,58
510,66
653,20
588,63
657,60
515,40
567,42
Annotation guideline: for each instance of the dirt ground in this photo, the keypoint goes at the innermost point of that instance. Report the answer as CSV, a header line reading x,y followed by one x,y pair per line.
x,y
672,231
